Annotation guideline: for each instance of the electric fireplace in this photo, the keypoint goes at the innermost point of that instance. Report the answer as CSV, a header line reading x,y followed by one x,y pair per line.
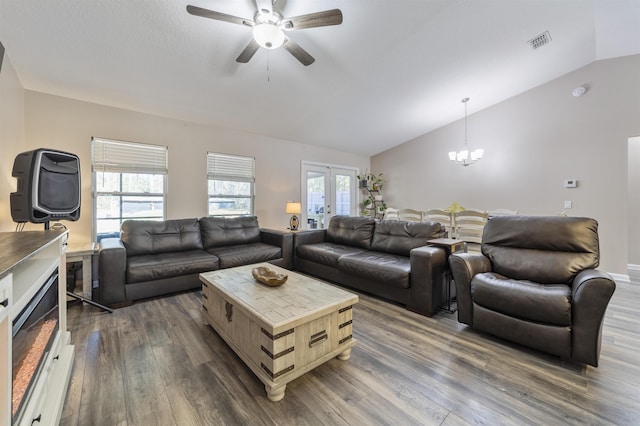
x,y
34,331
36,354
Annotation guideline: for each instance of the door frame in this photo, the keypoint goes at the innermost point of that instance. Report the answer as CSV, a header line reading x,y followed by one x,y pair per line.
x,y
331,168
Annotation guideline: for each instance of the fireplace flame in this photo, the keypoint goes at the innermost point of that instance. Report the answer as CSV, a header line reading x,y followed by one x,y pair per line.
x,y
29,364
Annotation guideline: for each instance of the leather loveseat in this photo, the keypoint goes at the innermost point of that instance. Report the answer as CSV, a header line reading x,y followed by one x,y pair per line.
x,y
153,258
388,258
535,283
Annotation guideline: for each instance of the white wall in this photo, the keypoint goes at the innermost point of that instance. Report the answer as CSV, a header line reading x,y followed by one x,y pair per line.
x,y
68,125
533,142
12,136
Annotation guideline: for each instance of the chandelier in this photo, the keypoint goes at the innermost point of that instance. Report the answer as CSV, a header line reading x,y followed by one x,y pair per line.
x,y
464,157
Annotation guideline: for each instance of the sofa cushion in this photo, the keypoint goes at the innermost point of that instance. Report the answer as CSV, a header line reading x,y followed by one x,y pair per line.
x,y
245,254
351,231
542,303
151,236
400,237
166,265
224,231
325,253
544,249
392,269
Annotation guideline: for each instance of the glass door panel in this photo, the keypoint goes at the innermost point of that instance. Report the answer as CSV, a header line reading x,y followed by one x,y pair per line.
x,y
316,206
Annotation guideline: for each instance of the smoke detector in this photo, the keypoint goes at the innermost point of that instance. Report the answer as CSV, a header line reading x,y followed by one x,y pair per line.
x,y
540,40
579,91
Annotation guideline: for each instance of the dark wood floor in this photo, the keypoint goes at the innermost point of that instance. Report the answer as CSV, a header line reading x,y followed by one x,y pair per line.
x,y
155,363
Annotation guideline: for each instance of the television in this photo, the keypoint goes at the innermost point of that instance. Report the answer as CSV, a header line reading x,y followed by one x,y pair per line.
x,y
48,186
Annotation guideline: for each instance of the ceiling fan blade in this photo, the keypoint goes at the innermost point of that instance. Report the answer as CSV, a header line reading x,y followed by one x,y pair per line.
x,y
312,20
264,6
218,16
298,52
248,52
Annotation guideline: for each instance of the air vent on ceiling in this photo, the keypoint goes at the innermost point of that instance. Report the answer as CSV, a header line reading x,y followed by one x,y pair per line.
x,y
540,40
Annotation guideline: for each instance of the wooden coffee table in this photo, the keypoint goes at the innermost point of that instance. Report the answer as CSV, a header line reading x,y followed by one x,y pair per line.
x,y
279,332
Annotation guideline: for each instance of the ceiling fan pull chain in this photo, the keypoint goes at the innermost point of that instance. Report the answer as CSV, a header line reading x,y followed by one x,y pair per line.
x,y
268,57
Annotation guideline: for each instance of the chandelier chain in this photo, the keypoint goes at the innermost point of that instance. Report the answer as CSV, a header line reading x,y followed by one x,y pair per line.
x,y
465,100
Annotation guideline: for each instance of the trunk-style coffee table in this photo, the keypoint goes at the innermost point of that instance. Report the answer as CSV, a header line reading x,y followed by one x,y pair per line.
x,y
279,332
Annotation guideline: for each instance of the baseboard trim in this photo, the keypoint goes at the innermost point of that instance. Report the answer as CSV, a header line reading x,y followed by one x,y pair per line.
x,y
634,273
620,278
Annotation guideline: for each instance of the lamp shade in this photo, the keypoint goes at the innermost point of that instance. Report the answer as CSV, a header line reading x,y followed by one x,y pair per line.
x,y
293,208
477,154
268,35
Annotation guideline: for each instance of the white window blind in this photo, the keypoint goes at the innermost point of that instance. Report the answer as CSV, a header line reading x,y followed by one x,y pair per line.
x,y
230,167
128,157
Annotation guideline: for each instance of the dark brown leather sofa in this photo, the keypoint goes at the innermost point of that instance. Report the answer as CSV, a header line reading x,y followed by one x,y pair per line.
x,y
153,258
535,283
388,258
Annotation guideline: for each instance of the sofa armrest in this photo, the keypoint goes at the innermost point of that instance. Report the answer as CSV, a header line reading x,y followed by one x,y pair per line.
x,y
428,264
591,291
282,239
313,236
463,268
112,267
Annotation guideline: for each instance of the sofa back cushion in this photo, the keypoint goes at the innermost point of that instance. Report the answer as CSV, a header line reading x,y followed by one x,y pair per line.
x,y
542,249
160,236
225,231
351,231
400,237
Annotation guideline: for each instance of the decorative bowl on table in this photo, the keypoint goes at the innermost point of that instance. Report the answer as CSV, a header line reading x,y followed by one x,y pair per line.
x,y
268,277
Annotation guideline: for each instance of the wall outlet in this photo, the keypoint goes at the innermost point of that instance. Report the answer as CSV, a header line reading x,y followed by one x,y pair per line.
x,y
567,204
570,183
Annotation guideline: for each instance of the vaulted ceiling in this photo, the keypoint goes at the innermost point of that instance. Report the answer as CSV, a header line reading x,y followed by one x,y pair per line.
x,y
393,70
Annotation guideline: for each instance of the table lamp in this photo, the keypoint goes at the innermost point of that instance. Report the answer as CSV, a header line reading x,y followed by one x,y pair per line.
x,y
293,208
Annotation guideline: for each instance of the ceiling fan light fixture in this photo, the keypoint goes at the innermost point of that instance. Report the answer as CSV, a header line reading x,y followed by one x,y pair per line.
x,y
268,35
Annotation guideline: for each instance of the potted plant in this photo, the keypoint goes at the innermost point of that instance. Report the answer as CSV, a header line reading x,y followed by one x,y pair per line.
x,y
374,181
454,208
366,204
362,180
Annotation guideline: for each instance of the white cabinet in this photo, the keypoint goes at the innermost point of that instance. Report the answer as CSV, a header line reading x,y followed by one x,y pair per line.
x,y
5,344
28,260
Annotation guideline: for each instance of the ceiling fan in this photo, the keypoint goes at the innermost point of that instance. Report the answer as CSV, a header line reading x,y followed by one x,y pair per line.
x,y
269,28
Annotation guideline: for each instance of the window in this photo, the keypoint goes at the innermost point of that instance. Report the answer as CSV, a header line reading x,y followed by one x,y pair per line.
x,y
231,181
129,182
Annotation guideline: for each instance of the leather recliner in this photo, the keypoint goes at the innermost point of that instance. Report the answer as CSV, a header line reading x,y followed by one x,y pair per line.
x,y
535,283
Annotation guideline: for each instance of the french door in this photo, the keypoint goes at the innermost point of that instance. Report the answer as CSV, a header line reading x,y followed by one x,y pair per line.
x,y
327,191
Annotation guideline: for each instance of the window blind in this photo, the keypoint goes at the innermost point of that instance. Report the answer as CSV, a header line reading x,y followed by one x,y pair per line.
x,y
128,157
230,167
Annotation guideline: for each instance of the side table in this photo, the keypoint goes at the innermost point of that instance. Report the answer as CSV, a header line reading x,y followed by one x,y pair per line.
x,y
84,253
450,246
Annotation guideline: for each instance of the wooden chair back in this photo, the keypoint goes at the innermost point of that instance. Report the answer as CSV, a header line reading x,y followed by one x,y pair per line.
x,y
469,225
442,216
411,215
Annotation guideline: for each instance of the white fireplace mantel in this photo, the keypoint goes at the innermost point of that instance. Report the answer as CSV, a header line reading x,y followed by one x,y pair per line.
x,y
27,259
